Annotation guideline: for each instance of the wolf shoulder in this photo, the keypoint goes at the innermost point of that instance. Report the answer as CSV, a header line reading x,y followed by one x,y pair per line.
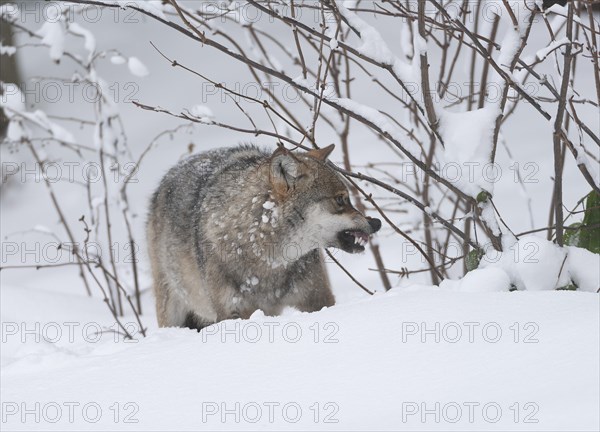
x,y
186,183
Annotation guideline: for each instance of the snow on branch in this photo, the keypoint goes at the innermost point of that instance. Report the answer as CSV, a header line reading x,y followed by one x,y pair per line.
x,y
422,98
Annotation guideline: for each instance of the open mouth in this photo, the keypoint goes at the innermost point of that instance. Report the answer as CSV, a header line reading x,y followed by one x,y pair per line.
x,y
353,240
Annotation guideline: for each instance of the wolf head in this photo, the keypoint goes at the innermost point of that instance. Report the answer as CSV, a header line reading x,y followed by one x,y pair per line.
x,y
315,202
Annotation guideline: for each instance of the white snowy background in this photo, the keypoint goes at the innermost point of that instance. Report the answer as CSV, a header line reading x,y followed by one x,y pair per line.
x,y
462,356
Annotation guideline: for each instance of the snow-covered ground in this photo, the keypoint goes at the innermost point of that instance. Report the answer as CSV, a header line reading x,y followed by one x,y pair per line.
x,y
418,359
457,357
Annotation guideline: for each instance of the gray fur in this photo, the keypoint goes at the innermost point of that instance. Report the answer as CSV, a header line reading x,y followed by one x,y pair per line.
x,y
238,229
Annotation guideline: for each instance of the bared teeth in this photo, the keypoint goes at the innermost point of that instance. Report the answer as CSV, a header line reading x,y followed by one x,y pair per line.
x,y
360,238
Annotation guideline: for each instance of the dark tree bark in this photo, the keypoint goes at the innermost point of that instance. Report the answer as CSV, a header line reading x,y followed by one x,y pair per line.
x,y
9,70
548,3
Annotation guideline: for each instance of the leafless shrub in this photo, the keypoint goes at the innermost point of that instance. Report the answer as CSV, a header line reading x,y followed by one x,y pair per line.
x,y
338,53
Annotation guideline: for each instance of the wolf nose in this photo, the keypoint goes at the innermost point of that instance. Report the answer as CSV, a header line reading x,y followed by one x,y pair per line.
x,y
375,224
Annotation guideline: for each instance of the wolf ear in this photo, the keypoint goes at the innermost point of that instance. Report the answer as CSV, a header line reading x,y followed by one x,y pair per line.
x,y
322,153
284,172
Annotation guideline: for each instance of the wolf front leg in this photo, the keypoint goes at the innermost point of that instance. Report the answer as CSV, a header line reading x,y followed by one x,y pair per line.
x,y
311,286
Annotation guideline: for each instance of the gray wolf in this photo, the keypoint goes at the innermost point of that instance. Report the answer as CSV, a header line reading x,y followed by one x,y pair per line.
x,y
234,230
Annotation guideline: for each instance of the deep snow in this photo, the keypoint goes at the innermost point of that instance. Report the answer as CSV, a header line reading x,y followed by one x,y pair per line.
x,y
522,360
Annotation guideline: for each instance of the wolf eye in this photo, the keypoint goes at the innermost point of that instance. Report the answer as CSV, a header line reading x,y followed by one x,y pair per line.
x,y
340,200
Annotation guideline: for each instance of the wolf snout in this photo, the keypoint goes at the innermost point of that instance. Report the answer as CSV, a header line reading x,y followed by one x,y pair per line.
x,y
374,223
